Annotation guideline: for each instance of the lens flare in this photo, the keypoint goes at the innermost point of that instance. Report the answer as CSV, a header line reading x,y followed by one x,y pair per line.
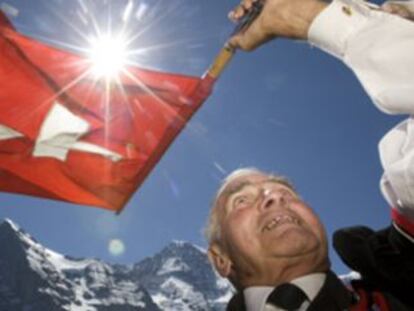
x,y
108,56
116,247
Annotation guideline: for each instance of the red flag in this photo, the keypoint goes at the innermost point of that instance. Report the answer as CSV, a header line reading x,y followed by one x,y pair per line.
x,y
63,137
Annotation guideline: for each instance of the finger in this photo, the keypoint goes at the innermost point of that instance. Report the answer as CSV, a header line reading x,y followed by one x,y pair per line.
x,y
247,5
251,38
237,13
241,10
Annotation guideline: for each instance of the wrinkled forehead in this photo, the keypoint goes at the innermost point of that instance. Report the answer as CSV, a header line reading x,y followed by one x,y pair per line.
x,y
235,184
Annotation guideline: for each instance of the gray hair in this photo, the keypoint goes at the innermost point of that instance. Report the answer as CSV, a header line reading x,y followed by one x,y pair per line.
x,y
212,229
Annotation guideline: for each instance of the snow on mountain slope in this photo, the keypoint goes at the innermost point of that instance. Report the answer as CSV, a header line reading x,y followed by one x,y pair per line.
x,y
35,278
180,277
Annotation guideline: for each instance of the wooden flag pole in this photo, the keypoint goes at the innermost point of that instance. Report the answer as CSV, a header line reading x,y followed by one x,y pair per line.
x,y
221,61
225,55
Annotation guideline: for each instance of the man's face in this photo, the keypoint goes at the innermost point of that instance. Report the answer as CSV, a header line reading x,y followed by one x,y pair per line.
x,y
267,227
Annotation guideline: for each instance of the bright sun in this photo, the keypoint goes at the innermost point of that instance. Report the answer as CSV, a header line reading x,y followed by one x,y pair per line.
x,y
108,56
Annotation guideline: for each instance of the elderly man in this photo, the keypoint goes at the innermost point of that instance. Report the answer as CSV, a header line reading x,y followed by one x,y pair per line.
x,y
264,238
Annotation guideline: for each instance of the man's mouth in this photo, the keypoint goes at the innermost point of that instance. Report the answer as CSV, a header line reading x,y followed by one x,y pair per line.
x,y
279,220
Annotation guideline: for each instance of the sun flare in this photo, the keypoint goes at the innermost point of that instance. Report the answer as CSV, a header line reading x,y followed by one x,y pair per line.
x,y
108,56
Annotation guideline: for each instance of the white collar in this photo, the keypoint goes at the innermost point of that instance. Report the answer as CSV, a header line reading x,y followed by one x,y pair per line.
x,y
256,296
311,284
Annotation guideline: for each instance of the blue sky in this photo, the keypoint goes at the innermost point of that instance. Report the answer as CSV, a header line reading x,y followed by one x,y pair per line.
x,y
287,108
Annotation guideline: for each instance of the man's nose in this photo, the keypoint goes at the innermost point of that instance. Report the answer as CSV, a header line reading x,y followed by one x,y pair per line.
x,y
272,199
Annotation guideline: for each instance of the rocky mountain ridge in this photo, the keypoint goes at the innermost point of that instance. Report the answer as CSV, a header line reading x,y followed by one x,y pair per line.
x,y
35,278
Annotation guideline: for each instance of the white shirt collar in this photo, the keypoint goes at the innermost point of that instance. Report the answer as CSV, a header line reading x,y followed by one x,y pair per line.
x,y
255,297
311,284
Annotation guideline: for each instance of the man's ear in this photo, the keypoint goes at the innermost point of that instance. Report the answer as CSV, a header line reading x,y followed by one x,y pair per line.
x,y
220,260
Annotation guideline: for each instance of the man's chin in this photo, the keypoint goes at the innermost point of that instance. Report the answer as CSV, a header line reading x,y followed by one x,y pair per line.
x,y
292,242
286,231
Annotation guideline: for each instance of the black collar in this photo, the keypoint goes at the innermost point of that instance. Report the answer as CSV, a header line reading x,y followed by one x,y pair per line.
x,y
333,296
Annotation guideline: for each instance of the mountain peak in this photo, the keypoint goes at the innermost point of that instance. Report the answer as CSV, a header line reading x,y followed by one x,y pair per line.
x,y
179,277
179,243
10,230
8,223
35,277
185,245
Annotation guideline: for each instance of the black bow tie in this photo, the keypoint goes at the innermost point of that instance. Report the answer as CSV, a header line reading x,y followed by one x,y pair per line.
x,y
287,296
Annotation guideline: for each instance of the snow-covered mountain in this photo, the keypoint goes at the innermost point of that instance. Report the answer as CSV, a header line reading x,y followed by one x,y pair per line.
x,y
180,278
34,278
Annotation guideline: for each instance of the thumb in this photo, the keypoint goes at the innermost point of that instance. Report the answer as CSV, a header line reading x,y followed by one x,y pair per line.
x,y
251,38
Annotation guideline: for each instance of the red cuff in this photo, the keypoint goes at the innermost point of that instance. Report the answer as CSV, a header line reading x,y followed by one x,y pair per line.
x,y
403,222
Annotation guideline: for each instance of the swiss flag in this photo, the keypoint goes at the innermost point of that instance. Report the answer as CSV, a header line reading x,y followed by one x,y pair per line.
x,y
62,138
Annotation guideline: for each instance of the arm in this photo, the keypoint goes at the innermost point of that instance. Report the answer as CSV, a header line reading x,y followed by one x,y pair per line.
x,y
378,47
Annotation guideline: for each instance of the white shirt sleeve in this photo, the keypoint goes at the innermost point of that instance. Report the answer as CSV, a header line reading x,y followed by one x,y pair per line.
x,y
379,48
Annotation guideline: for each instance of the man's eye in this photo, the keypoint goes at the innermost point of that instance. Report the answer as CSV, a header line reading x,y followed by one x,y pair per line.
x,y
241,201
287,194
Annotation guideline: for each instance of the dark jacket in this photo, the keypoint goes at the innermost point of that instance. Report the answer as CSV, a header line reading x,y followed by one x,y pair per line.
x,y
385,260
